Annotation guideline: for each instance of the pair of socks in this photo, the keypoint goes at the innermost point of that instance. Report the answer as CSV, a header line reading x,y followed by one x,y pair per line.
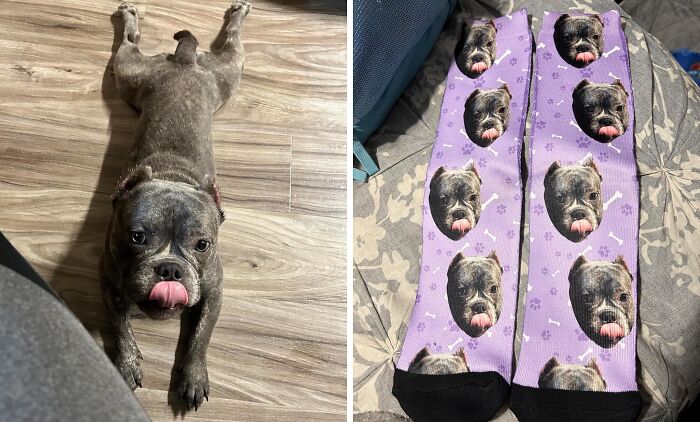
x,y
577,355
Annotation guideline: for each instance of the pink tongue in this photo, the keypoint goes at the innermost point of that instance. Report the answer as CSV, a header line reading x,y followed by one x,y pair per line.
x,y
168,294
461,225
582,226
481,321
612,331
479,67
585,57
608,131
489,134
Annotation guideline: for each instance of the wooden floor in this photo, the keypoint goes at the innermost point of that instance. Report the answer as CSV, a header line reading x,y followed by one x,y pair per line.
x,y
279,349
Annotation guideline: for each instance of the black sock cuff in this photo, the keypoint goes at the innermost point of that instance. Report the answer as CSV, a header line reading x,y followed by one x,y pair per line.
x,y
537,404
454,397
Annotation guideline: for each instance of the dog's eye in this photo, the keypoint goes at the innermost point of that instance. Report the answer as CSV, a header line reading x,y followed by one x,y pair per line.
x,y
493,289
624,297
462,291
502,110
444,200
595,37
472,197
561,199
593,196
489,44
588,298
138,237
202,245
589,108
620,108
568,37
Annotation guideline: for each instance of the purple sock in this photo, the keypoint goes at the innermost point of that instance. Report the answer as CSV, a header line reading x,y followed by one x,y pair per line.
x,y
456,359
577,358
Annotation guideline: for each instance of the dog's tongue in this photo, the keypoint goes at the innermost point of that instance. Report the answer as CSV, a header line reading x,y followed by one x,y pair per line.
x,y
608,131
461,225
585,57
168,294
479,67
582,226
612,330
481,321
490,134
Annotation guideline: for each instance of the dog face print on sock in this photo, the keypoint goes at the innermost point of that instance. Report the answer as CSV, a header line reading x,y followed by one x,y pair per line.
x,y
455,200
571,377
600,109
486,114
476,50
579,39
429,363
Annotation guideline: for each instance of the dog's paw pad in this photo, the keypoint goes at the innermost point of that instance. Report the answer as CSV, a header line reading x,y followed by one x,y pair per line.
x,y
194,387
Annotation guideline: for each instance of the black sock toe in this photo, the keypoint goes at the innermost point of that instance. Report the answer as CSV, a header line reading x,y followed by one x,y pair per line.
x,y
471,396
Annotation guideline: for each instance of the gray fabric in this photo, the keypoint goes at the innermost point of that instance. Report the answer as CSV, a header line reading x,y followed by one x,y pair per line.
x,y
388,218
673,22
50,367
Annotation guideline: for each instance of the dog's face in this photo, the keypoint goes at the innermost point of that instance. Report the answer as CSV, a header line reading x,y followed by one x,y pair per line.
x,y
571,377
601,109
486,115
601,298
163,241
476,50
579,39
573,198
455,200
474,292
439,364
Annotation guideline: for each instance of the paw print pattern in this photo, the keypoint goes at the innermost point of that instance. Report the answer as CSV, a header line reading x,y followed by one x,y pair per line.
x,y
540,124
453,326
433,286
603,251
501,209
418,296
544,271
547,55
440,154
581,336
482,162
513,61
549,146
546,335
479,82
426,268
555,75
510,234
603,157
583,142
507,330
420,327
548,236
450,124
586,72
472,343
553,291
605,355
535,304
506,268
479,247
626,209
538,209
557,115
431,235
519,79
467,149
451,86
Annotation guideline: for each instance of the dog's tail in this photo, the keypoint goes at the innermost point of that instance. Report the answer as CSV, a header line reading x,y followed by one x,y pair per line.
x,y
186,52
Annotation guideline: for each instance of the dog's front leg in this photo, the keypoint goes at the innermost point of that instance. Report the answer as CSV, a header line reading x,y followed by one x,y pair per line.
x,y
194,381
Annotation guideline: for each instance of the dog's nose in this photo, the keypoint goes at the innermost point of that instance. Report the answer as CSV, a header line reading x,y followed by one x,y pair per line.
x,y
489,125
169,271
582,49
478,58
479,308
608,317
605,121
458,215
578,214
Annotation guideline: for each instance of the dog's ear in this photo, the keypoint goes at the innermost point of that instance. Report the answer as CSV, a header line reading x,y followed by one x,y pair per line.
x,y
590,163
460,354
136,176
455,262
594,365
551,364
580,86
618,83
490,22
620,260
494,257
439,172
597,17
473,94
209,186
577,265
420,355
471,167
505,88
552,168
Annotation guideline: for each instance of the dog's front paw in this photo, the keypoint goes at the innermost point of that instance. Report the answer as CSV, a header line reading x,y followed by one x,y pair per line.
x,y
240,5
130,368
194,384
128,11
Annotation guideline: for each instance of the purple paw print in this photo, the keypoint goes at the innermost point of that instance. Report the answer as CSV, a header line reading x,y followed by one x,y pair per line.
x,y
482,162
586,72
418,296
451,86
548,236
444,111
479,82
431,235
513,61
603,251
438,252
546,335
450,124
512,149
605,355
519,79
426,268
467,149
506,268
507,330
553,291
516,197
521,37
549,146
499,26
544,271
535,304
538,209
508,181
472,343
453,326
569,255
440,154
581,335
448,253
501,209
420,327
563,88
626,209
550,101
540,124
547,55
603,157
557,115
479,247
510,234
557,254
583,142
555,75
433,286
502,369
